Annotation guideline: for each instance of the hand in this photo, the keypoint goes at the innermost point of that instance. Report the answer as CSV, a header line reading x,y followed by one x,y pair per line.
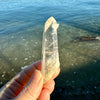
x,y
28,85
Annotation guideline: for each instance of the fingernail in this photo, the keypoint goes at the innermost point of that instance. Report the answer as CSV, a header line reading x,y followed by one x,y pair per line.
x,y
37,76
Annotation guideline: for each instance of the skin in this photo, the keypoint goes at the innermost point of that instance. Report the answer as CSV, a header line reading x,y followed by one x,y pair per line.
x,y
28,85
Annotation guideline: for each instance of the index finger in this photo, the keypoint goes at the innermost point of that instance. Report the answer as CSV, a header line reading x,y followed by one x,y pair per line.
x,y
30,69
15,85
25,74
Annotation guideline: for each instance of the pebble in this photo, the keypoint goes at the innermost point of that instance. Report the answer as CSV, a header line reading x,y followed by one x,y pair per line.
x,y
12,37
73,81
67,81
75,73
25,58
72,64
34,45
31,40
29,56
23,67
4,72
60,90
16,58
24,39
36,42
9,58
95,87
24,62
95,61
87,92
1,82
33,56
12,69
3,75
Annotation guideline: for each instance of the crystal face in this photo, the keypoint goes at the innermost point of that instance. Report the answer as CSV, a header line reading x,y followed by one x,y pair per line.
x,y
50,55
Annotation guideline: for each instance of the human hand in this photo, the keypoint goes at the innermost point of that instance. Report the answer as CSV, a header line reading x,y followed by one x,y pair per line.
x,y
28,85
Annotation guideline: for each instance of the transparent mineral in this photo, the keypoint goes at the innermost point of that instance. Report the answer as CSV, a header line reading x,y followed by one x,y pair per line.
x,y
50,56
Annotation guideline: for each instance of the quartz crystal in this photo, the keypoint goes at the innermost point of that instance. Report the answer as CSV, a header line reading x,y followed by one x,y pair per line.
x,y
50,55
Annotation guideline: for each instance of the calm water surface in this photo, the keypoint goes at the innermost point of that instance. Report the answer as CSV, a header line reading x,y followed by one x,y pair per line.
x,y
21,28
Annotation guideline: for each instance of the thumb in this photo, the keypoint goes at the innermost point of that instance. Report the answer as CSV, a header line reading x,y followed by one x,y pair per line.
x,y
33,88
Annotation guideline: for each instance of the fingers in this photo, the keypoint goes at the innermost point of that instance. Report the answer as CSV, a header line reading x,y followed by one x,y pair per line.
x,y
45,95
14,86
33,88
30,69
47,90
49,85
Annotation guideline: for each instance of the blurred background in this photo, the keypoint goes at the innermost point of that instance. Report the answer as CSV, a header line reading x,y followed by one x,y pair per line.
x,y
21,28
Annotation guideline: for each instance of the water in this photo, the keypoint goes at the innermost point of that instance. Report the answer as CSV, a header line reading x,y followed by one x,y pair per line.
x,y
21,28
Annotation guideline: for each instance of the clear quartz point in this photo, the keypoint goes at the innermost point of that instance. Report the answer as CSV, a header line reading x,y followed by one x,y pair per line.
x,y
50,55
